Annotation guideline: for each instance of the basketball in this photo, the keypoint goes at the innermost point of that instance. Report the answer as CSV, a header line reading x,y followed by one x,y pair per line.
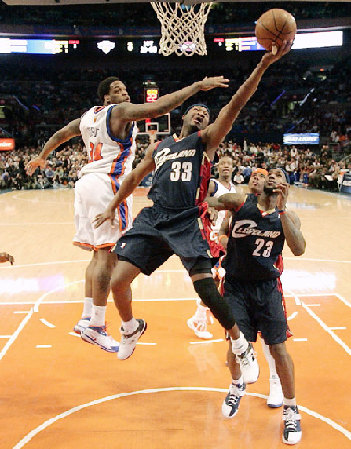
x,y
275,26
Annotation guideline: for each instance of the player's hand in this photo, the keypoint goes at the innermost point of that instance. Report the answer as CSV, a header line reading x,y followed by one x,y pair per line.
x,y
109,214
4,257
282,190
212,214
277,52
212,82
34,164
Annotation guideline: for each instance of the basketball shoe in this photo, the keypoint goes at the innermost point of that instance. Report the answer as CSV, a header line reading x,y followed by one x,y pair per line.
x,y
82,324
129,341
292,432
231,402
275,398
199,326
99,337
248,365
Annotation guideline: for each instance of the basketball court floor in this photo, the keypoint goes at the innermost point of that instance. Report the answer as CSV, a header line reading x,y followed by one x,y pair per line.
x,y
59,392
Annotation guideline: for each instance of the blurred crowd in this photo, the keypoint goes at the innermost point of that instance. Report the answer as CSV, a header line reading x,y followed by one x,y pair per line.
x,y
61,170
304,167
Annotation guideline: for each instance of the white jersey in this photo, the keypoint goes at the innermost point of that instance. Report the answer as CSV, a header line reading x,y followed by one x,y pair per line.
x,y
107,154
220,190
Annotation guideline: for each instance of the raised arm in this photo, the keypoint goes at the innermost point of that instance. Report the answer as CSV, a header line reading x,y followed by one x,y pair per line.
x,y
146,166
290,222
215,133
166,103
62,135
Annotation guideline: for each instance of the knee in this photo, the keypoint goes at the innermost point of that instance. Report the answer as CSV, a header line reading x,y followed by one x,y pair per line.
x,y
118,282
278,351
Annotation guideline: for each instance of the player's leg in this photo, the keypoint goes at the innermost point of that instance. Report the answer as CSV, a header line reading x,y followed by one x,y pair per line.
x,y
140,250
237,386
207,290
274,332
96,332
88,300
275,398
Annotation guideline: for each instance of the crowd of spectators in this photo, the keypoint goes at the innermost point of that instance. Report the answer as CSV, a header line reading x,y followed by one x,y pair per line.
x,y
61,170
304,167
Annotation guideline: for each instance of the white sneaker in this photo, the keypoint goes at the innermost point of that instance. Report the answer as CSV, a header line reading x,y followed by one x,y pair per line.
x,y
129,341
82,324
231,402
199,327
99,337
275,398
292,432
248,365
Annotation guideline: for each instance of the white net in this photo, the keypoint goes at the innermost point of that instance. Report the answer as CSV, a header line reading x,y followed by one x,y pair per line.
x,y
182,27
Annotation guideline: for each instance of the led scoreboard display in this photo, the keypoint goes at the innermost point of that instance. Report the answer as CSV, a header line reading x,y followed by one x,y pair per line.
x,y
36,46
150,94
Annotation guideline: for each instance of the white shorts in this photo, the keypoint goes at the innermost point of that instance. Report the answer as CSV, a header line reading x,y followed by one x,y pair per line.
x,y
93,193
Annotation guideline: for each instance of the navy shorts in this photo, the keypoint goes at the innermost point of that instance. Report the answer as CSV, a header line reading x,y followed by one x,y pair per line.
x,y
257,306
159,233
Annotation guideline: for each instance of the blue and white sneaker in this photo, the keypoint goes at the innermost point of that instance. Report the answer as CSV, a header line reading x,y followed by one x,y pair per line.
x,y
82,324
231,402
275,398
99,337
292,432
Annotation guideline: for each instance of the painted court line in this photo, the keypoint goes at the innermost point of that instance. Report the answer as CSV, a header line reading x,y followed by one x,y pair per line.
x,y
327,328
292,316
74,334
337,328
21,311
146,344
16,333
43,320
43,346
5,336
205,342
343,300
313,305
27,438
300,339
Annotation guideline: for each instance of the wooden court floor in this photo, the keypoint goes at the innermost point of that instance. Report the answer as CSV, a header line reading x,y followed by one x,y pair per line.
x,y
58,392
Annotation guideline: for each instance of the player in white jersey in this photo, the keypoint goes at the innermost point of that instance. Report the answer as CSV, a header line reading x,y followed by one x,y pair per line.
x,y
217,187
108,133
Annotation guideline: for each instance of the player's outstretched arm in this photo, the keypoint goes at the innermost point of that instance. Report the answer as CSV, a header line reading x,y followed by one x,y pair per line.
x,y
166,103
146,166
228,201
62,135
5,257
215,133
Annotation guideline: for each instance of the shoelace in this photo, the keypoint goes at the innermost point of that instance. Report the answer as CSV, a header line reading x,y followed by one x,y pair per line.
x,y
233,399
248,356
291,419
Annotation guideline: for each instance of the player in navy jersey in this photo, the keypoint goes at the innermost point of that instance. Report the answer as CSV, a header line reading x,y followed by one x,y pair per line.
x,y
108,132
252,288
172,225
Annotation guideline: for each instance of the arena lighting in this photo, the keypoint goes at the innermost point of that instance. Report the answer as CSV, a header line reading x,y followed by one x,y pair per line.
x,y
106,46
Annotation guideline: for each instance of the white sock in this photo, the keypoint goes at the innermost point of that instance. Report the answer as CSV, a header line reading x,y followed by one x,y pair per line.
x,y
201,313
98,316
239,381
239,345
88,307
270,360
130,326
291,402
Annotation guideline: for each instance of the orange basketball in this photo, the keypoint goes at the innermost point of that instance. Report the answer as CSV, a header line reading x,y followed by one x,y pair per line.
x,y
275,26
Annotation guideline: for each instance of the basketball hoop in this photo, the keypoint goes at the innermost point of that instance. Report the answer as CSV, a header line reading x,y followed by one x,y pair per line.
x,y
182,27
